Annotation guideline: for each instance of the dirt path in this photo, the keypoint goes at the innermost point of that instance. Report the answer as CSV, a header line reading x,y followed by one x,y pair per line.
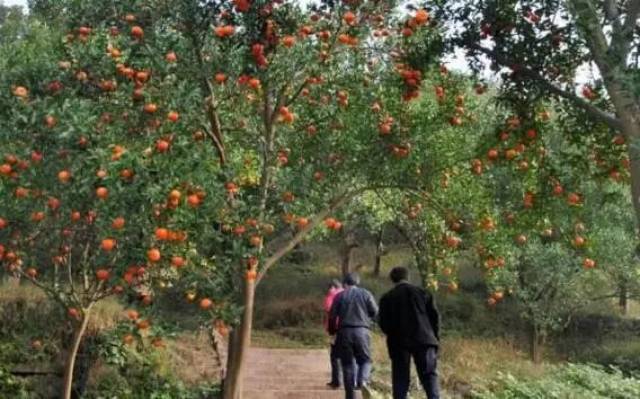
x,y
288,374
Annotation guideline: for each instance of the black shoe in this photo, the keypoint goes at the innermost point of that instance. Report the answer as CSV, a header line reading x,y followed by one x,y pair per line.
x,y
333,385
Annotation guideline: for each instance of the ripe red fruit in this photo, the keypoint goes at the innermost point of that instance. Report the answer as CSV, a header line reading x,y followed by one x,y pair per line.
x,y
452,241
349,18
162,146
102,192
492,154
178,261
137,32
288,41
118,223
579,241
588,263
171,57
173,116
220,78
193,200
31,272
102,274
73,313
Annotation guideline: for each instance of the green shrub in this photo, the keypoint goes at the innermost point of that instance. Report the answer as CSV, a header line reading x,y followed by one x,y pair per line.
x,y
10,386
567,382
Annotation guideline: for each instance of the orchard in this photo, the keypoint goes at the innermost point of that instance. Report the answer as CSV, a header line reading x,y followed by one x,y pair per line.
x,y
181,152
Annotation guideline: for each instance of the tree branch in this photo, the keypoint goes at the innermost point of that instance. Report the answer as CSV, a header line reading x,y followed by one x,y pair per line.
x,y
611,120
302,233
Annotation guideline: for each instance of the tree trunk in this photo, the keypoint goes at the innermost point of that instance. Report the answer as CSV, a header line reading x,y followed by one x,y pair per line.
x,y
379,252
623,298
239,345
537,343
73,352
345,253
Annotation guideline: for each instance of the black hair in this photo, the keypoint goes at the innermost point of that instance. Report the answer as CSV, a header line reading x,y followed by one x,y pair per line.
x,y
335,283
351,279
399,274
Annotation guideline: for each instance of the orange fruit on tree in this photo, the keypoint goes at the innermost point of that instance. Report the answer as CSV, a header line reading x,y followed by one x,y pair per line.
x,y
128,339
64,176
132,314
162,234
118,223
178,261
173,116
302,222
349,18
175,195
205,303
255,240
162,146
150,108
102,192
193,200
20,91
102,274
171,57
137,32
154,255
220,78
288,41
588,263
108,244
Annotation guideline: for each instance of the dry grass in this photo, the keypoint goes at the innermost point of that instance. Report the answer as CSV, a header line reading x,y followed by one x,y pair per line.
x,y
191,359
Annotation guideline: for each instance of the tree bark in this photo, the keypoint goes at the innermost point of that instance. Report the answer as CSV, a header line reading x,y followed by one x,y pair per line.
x,y
239,345
346,251
379,252
623,298
73,352
537,344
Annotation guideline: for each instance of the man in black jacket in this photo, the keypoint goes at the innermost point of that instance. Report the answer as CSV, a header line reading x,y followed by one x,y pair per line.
x,y
410,320
350,318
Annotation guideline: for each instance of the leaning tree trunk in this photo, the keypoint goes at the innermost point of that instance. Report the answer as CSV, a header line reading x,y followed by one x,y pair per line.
x,y
537,343
379,252
73,352
239,345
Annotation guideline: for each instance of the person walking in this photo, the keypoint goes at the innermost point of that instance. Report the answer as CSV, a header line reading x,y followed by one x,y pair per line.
x,y
334,289
350,319
410,320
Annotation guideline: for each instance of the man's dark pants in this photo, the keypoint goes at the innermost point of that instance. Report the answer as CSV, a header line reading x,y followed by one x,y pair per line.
x,y
426,360
335,365
354,343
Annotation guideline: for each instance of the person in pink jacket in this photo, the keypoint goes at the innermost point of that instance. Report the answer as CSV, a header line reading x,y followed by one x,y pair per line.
x,y
334,289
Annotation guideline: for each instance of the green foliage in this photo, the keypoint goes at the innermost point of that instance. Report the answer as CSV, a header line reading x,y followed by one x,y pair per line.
x,y
570,381
10,386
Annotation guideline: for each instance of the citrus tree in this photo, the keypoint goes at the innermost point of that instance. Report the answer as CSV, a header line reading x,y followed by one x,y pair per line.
x,y
102,191
544,234
546,48
286,114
